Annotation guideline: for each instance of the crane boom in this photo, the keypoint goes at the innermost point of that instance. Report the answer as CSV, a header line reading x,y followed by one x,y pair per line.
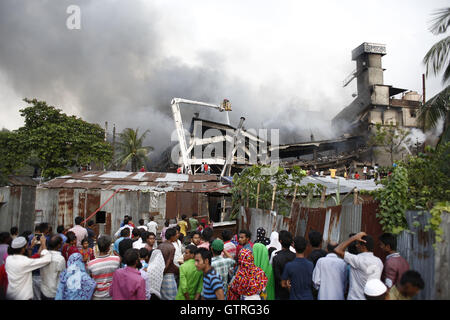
x,y
175,103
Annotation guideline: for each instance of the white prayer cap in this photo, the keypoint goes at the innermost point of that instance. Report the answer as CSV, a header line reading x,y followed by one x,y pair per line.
x,y
18,243
374,288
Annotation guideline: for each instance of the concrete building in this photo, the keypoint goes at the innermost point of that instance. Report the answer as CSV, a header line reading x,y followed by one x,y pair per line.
x,y
376,102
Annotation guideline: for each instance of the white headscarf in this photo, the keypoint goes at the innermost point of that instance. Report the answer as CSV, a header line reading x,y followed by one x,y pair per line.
x,y
274,241
155,271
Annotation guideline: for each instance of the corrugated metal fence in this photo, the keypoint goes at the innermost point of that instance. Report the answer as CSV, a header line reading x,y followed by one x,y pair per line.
x,y
417,248
338,222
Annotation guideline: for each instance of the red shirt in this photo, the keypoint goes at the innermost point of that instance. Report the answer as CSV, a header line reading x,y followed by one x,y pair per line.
x,y
239,247
68,250
3,280
394,267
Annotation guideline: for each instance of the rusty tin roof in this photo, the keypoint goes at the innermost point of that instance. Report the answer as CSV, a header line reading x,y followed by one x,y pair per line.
x,y
138,181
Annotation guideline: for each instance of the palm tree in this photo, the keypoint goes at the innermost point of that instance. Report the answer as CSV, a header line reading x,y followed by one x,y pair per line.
x,y
131,149
437,59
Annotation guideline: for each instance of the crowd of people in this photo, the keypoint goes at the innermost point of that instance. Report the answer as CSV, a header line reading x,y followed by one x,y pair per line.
x,y
190,263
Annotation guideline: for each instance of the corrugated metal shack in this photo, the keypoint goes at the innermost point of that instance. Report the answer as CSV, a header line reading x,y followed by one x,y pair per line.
x,y
17,203
163,195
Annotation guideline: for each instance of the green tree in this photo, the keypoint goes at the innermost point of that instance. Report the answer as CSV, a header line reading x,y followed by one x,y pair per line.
x,y
436,60
245,189
391,138
13,154
428,177
59,141
131,149
393,199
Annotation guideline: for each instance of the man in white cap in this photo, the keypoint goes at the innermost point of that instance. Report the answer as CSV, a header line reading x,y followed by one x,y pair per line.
x,y
19,268
375,290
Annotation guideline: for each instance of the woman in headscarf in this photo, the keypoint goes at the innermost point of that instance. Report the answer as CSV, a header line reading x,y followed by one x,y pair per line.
x,y
261,237
74,282
261,256
274,244
155,272
249,281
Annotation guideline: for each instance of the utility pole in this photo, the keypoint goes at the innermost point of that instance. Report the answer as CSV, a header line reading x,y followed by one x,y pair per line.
x,y
106,134
423,89
114,148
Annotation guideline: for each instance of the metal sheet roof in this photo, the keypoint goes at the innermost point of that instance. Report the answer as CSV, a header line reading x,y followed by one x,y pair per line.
x,y
345,185
21,181
142,181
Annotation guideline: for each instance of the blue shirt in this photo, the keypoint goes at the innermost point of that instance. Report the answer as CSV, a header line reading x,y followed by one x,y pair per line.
x,y
299,272
116,244
211,282
64,240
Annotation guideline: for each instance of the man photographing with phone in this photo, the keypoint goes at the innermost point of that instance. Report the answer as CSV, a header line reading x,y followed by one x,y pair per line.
x,y
19,267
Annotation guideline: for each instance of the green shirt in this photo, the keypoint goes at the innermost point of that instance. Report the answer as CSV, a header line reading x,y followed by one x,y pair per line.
x,y
194,224
191,280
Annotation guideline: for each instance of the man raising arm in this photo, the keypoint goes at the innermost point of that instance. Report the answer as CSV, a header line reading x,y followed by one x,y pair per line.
x,y
340,249
364,265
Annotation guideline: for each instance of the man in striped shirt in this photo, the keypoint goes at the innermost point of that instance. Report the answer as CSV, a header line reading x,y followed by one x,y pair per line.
x,y
223,266
102,268
212,282
228,246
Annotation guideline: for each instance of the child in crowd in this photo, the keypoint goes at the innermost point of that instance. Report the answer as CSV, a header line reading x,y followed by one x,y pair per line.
x,y
86,252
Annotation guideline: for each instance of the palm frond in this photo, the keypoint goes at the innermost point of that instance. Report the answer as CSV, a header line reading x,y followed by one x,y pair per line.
x,y
436,58
434,109
124,160
441,21
130,147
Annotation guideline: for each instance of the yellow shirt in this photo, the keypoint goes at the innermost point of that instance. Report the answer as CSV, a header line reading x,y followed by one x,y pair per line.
x,y
394,294
183,226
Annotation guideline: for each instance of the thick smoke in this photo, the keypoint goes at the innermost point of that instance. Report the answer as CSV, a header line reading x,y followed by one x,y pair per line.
x,y
115,70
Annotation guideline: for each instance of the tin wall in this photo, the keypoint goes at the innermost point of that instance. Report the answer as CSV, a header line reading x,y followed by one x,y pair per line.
x,y
179,203
417,248
442,261
336,223
17,208
61,206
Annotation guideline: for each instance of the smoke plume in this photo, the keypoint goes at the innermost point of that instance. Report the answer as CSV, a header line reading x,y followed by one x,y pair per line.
x,y
114,69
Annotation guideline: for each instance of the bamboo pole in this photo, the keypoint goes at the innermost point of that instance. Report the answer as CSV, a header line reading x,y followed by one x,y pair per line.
x,y
223,210
257,195
322,197
295,194
273,196
355,196
248,198
293,198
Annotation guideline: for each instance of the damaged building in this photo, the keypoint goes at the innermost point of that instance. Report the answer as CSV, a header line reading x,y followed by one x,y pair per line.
x,y
376,102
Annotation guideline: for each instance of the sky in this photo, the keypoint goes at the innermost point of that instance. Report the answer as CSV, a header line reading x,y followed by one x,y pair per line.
x,y
280,63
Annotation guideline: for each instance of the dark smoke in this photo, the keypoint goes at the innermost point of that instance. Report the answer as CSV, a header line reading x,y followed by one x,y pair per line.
x,y
115,70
